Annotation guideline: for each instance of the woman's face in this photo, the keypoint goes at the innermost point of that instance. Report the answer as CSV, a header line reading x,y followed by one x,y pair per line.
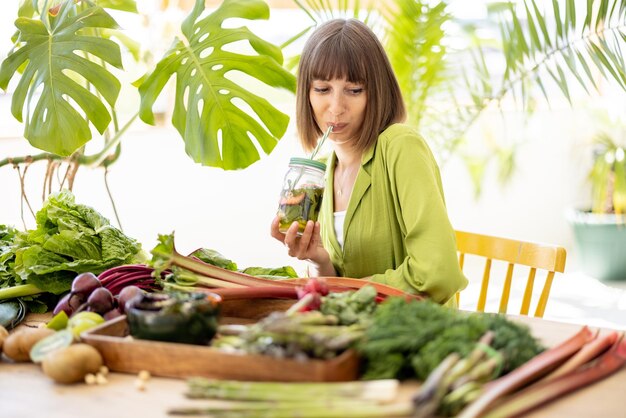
x,y
340,104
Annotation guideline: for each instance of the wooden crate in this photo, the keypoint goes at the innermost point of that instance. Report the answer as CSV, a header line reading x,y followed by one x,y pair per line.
x,y
125,354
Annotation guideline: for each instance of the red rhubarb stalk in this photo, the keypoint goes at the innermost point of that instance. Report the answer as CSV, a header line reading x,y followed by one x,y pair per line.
x,y
346,283
528,372
165,255
280,292
589,352
546,391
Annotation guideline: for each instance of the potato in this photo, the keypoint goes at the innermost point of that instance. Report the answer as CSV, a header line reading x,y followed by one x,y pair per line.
x,y
71,364
18,344
3,335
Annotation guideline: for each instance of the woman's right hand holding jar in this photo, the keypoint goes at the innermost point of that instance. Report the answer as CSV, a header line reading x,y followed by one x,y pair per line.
x,y
306,245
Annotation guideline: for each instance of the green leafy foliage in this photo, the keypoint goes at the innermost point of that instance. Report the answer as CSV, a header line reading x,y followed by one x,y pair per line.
x,y
285,272
54,50
351,307
415,37
410,339
206,107
7,256
215,258
565,43
71,238
608,175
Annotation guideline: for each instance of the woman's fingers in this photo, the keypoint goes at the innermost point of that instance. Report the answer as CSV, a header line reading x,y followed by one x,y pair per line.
x,y
275,232
317,236
291,238
299,245
305,239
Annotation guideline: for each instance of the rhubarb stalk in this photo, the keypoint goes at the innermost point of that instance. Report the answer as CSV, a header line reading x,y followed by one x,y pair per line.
x,y
546,391
165,256
530,371
589,352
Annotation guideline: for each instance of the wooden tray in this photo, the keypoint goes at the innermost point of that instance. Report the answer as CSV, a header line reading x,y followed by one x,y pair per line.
x,y
124,354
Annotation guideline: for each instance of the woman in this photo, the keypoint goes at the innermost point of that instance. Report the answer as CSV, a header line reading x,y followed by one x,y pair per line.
x,y
383,214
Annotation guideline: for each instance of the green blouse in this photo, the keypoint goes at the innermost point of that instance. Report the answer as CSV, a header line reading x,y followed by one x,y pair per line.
x,y
396,230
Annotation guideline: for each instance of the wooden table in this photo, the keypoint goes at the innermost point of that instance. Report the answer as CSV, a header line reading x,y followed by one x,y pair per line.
x,y
26,392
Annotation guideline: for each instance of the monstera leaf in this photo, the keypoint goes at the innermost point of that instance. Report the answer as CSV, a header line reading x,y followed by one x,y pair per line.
x,y
216,131
54,48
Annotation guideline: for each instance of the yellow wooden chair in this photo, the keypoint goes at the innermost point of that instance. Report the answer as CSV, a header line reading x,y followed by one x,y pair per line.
x,y
536,256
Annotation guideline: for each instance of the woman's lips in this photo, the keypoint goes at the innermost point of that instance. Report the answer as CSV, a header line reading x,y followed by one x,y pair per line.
x,y
337,126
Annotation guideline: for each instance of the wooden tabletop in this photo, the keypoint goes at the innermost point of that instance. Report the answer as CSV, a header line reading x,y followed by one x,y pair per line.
x,y
26,392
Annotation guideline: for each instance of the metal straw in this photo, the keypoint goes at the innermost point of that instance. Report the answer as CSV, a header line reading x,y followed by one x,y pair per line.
x,y
321,142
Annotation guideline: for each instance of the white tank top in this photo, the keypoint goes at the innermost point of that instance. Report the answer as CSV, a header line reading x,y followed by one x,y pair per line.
x,y
339,218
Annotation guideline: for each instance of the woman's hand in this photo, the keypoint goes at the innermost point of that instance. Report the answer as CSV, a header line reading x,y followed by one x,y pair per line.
x,y
308,246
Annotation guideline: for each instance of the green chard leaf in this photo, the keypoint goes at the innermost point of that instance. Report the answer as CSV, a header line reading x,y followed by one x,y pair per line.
x,y
271,273
215,258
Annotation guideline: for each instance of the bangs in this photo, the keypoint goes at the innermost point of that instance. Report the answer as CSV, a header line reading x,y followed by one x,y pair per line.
x,y
338,58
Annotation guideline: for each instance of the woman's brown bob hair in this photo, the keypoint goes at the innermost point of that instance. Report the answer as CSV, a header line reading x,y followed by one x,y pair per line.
x,y
348,49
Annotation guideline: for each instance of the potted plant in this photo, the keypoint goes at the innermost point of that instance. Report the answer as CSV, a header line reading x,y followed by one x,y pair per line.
x,y
68,62
452,71
600,232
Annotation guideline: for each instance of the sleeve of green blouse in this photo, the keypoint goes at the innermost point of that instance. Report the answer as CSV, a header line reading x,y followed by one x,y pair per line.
x,y
431,264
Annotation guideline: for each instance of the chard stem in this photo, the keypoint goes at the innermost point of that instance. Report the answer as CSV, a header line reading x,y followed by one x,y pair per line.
x,y
19,291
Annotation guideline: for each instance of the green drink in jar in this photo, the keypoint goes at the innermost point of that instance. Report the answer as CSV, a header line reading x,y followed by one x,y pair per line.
x,y
301,196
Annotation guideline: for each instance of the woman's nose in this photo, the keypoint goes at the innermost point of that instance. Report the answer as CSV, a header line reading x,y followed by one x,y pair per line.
x,y
337,105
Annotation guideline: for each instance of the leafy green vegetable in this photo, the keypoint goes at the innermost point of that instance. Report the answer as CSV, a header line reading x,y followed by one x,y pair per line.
x,y
215,258
423,333
351,307
7,256
164,252
272,273
70,238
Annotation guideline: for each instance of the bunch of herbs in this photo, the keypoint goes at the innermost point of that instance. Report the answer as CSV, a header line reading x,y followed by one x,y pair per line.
x,y
409,339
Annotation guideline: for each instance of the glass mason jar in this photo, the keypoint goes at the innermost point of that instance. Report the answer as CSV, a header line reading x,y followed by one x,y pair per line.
x,y
301,197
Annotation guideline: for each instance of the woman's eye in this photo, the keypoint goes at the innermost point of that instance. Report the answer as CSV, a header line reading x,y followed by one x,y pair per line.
x,y
356,91
320,89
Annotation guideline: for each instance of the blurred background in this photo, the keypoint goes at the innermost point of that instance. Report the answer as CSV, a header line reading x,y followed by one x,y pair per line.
x,y
521,167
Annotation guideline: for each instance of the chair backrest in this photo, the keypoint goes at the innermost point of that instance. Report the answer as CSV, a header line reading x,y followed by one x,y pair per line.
x,y
550,258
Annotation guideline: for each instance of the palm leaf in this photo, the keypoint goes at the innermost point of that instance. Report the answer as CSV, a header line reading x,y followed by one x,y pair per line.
x,y
322,10
414,42
566,51
58,119
216,131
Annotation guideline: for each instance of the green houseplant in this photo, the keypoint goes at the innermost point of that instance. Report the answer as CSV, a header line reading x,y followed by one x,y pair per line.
x,y
449,68
67,56
600,231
